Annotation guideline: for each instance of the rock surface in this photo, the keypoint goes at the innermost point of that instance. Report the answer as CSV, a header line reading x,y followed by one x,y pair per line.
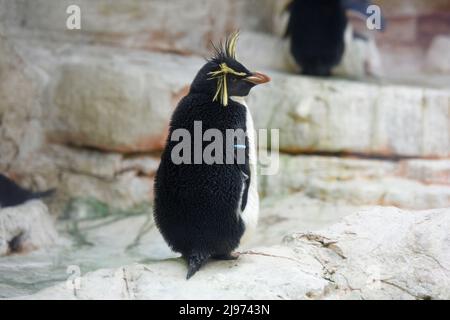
x,y
91,236
296,212
150,25
378,253
313,115
117,101
437,60
414,184
108,177
21,132
25,228
342,116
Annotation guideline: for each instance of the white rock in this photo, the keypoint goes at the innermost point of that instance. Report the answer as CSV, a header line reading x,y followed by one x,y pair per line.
x,y
264,51
380,253
112,178
150,25
122,103
352,117
281,215
397,192
438,59
124,191
26,227
428,171
412,184
21,134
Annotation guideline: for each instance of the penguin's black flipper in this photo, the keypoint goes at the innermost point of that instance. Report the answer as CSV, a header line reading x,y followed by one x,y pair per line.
x,y
246,174
195,262
42,194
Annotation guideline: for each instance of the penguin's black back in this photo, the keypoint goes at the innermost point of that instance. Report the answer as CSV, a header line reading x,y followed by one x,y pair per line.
x,y
317,28
11,194
196,205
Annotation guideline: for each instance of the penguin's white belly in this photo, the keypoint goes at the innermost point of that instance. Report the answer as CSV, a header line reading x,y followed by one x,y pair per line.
x,y
250,214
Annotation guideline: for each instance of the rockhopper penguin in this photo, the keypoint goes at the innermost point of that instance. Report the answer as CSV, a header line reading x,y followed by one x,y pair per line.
x,y
203,209
316,30
12,194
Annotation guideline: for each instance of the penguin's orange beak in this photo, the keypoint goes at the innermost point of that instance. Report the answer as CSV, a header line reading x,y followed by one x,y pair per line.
x,y
258,78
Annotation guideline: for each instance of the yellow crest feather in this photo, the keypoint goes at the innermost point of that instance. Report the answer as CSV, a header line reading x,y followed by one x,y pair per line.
x,y
224,70
231,44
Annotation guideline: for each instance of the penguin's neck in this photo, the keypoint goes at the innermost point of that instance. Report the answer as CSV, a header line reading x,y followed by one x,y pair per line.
x,y
250,132
240,100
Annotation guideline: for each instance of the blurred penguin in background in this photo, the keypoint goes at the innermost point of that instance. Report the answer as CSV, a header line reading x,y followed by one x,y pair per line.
x,y
317,29
11,194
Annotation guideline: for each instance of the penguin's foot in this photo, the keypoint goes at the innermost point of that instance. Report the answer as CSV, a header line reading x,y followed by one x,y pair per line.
x,y
195,262
227,256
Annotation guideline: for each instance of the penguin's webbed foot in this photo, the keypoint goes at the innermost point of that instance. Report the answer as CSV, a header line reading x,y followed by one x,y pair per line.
x,y
227,256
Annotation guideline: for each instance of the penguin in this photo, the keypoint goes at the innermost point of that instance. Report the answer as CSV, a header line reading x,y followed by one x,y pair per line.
x,y
204,210
12,194
316,30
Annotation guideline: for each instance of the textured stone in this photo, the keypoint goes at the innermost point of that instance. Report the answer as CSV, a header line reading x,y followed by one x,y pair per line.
x,y
297,212
437,59
316,115
26,227
21,133
387,192
115,102
427,171
151,25
354,259
413,184
125,190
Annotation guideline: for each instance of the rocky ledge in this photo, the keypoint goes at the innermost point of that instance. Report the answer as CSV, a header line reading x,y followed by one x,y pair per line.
x,y
26,227
376,253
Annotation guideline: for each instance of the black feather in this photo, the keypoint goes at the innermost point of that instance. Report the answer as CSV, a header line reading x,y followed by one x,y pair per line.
x,y
196,207
195,262
11,194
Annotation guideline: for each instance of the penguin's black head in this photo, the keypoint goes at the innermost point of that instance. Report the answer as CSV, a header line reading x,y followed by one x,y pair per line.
x,y
223,76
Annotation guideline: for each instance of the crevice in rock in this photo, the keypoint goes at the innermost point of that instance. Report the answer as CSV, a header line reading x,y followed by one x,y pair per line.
x,y
348,154
87,174
130,294
417,297
125,154
251,252
139,170
15,245
419,252
327,274
323,242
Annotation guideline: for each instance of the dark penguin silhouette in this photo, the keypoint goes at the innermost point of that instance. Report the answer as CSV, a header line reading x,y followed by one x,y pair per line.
x,y
203,210
12,194
316,29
